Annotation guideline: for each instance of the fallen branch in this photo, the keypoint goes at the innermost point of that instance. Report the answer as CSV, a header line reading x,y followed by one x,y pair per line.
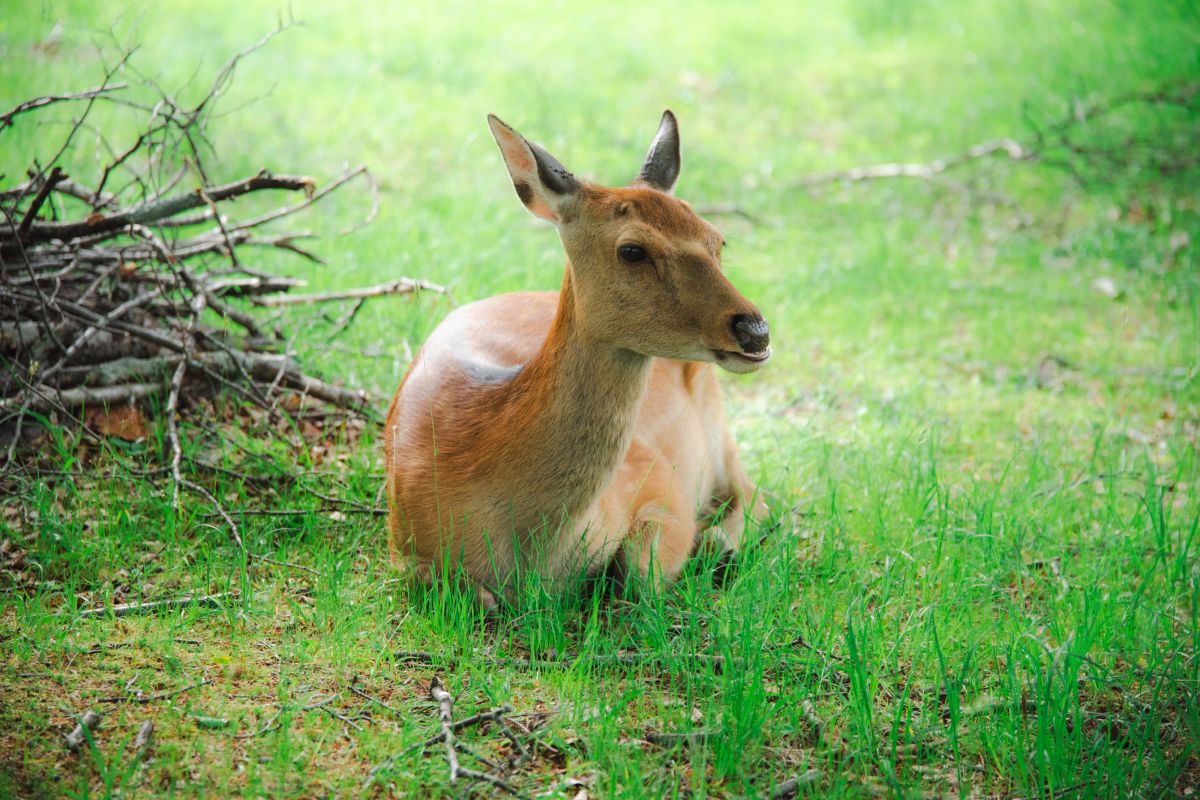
x,y
76,738
93,397
300,512
445,702
1049,144
154,210
620,660
925,171
341,717
487,777
495,715
154,697
56,176
791,787
376,701
233,528
401,286
130,609
145,735
172,409
809,713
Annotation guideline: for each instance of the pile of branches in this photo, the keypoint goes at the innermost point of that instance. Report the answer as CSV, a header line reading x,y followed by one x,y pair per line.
x,y
138,282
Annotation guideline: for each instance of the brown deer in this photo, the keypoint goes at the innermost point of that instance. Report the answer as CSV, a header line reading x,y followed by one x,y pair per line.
x,y
561,432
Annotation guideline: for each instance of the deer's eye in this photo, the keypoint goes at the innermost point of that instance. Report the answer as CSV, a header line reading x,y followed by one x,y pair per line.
x,y
631,253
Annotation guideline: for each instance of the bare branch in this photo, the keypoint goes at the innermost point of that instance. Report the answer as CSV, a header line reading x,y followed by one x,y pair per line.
x,y
1006,147
234,533
89,396
437,691
400,286
129,609
153,698
1037,147
56,175
6,118
151,211
791,787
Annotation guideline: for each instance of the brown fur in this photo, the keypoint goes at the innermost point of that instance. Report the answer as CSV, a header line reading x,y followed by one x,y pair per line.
x,y
549,431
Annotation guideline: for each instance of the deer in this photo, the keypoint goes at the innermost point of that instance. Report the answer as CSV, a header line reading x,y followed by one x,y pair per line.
x,y
583,430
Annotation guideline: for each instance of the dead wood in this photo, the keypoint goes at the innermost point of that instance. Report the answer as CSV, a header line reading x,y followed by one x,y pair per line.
x,y
130,609
153,698
402,286
495,715
791,787
136,282
144,738
445,701
438,693
356,690
812,719
1058,144
77,737
717,663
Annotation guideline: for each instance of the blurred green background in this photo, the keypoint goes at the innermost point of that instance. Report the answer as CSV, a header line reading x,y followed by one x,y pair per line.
x,y
871,290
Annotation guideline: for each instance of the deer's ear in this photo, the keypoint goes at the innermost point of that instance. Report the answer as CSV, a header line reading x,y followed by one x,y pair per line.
x,y
661,167
543,184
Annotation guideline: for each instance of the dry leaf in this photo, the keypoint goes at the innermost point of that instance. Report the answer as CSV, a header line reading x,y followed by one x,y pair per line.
x,y
122,422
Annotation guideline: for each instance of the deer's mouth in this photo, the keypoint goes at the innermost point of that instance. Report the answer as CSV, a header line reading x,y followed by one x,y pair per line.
x,y
741,362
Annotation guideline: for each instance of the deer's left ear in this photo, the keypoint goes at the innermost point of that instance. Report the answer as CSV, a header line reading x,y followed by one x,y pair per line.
x,y
661,167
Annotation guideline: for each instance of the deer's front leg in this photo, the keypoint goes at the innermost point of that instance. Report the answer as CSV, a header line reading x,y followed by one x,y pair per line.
x,y
661,538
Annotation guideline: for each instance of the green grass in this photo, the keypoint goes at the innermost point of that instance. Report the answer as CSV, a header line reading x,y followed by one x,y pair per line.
x,y
983,581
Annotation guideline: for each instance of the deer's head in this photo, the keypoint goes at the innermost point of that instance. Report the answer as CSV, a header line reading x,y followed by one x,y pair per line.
x,y
645,268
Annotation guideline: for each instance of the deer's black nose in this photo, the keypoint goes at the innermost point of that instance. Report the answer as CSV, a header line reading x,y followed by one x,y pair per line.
x,y
751,333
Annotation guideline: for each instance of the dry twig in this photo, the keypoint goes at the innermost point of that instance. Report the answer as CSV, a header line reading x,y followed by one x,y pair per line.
x,y
129,609
1054,144
437,691
140,699
116,301
6,119
439,694
401,286
791,787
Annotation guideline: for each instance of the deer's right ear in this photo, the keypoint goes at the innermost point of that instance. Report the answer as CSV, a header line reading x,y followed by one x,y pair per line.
x,y
543,184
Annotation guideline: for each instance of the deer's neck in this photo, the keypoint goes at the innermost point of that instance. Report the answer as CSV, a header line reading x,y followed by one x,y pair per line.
x,y
574,405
